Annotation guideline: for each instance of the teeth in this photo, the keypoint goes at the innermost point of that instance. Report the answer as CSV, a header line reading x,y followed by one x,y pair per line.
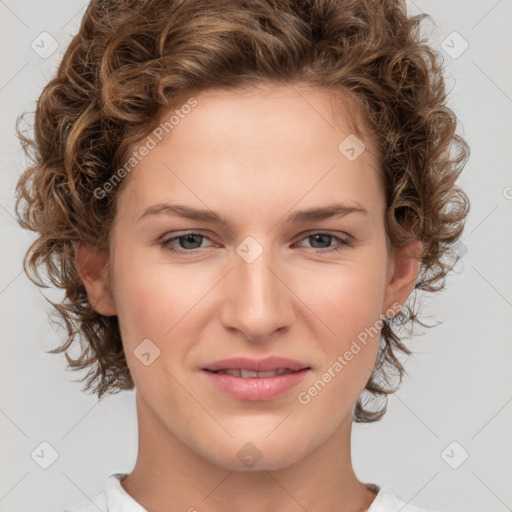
x,y
247,374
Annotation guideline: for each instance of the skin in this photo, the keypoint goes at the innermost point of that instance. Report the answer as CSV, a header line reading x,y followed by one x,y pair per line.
x,y
254,156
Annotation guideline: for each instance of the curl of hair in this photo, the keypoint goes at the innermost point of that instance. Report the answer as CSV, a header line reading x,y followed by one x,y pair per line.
x,y
132,60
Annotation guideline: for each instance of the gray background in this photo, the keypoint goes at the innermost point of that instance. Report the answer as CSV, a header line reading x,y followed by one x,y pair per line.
x,y
459,386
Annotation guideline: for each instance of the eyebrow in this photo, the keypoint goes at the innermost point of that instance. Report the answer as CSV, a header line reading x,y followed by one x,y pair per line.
x,y
297,217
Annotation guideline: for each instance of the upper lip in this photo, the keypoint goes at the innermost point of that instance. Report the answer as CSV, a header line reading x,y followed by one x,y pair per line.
x,y
257,365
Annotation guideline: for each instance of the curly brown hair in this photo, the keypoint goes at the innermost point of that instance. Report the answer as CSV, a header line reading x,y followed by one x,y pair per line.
x,y
132,60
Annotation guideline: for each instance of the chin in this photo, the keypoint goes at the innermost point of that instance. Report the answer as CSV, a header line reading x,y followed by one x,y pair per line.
x,y
260,454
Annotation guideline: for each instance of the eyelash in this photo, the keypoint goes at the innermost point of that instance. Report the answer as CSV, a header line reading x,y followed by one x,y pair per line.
x,y
166,244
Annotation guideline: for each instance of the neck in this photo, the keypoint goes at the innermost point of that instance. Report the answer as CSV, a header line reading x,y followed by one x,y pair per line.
x,y
169,472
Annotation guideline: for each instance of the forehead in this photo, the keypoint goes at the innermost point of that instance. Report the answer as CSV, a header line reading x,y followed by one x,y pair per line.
x,y
277,143
276,109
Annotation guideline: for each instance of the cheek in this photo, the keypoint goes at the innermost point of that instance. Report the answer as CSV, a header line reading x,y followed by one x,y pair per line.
x,y
347,298
160,302
147,297
149,303
347,304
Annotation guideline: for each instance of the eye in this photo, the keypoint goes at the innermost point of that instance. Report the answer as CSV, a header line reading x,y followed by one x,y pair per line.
x,y
322,237
190,243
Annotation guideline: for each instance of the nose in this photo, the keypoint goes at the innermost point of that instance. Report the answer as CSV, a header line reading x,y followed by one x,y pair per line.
x,y
257,300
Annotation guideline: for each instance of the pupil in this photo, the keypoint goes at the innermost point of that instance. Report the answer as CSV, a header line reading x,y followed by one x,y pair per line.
x,y
187,238
320,236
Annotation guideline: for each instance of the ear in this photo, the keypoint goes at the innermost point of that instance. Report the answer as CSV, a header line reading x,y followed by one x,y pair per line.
x,y
402,275
92,265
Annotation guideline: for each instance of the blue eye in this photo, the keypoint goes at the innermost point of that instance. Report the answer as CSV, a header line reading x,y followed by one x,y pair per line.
x,y
330,237
194,239
187,240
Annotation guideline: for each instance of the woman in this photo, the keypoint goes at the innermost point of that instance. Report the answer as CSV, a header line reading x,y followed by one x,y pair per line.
x,y
191,158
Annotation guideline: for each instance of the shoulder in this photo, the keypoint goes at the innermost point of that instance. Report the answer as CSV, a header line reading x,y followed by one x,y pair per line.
x,y
388,501
95,504
113,498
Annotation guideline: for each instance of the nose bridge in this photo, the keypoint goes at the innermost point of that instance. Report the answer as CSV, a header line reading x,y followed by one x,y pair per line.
x,y
259,302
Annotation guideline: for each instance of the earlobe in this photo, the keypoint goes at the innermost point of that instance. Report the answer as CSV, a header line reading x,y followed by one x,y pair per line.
x,y
405,272
92,267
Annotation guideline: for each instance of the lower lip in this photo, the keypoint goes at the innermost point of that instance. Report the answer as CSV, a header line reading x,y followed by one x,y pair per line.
x,y
256,388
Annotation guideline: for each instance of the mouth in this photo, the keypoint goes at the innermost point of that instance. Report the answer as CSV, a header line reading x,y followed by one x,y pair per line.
x,y
251,386
249,367
250,379
249,374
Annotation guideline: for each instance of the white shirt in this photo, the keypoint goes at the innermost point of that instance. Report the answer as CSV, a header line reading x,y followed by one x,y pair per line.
x,y
114,498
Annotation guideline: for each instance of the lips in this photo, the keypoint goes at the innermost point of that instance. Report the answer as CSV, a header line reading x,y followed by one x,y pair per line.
x,y
246,374
259,366
255,389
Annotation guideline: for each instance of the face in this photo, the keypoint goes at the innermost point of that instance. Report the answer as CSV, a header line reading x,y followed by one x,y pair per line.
x,y
261,282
